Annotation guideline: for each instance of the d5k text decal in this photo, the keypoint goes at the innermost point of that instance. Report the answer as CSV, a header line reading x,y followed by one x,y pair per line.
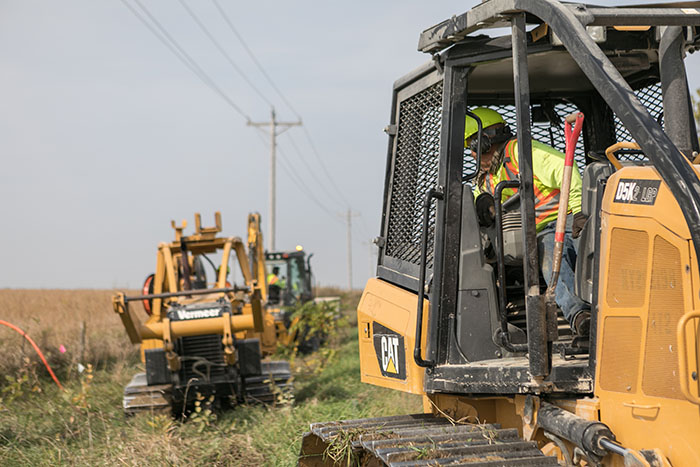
x,y
391,353
637,191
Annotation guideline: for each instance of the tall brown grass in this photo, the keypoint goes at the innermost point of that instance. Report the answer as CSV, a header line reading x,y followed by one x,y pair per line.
x,y
54,318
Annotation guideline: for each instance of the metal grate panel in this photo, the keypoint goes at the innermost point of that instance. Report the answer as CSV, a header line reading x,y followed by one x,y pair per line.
x,y
652,98
666,306
202,357
553,135
627,268
622,337
416,160
547,133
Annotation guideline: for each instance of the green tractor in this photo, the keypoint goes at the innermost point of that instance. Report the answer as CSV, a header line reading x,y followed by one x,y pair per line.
x,y
289,277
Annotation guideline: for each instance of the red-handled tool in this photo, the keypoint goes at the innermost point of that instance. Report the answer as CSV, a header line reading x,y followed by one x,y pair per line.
x,y
571,139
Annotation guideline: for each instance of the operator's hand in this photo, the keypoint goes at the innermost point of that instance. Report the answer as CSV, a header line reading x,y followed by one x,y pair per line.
x,y
579,221
485,210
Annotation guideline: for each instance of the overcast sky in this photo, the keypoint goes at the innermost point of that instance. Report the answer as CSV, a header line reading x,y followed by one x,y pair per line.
x,y
105,136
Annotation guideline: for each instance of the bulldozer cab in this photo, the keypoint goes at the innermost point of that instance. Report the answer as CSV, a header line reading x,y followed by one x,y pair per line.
x,y
480,325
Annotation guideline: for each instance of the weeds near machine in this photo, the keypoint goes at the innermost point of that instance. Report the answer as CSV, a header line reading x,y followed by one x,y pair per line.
x,y
202,416
24,381
340,449
42,426
317,325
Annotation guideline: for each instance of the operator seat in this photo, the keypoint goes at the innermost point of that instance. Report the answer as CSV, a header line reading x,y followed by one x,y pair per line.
x,y
594,177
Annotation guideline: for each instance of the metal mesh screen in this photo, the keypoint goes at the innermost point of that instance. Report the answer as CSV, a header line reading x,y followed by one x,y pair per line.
x,y
416,160
619,365
415,171
546,133
553,135
651,97
627,268
666,306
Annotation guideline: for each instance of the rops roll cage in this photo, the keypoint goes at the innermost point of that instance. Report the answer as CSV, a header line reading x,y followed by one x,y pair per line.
x,y
568,22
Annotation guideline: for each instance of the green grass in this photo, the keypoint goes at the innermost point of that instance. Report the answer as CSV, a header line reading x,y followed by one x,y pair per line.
x,y
85,426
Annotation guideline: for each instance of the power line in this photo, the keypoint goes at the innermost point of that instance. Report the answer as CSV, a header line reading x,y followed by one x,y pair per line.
x,y
311,171
168,40
276,128
223,51
365,229
323,166
262,70
252,56
161,38
298,181
164,37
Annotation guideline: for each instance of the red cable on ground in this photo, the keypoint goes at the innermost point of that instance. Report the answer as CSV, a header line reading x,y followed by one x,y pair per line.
x,y
38,351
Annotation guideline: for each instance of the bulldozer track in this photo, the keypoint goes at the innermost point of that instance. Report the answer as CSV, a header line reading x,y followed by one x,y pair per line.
x,y
418,440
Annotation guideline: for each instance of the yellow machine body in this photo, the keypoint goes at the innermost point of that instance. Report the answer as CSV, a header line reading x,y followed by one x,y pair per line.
x,y
250,317
386,320
646,382
610,378
646,389
203,336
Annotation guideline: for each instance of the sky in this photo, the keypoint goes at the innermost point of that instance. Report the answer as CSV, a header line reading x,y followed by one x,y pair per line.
x,y
106,136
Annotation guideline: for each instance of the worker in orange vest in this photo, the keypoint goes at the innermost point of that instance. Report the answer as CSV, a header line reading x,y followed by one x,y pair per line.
x,y
499,161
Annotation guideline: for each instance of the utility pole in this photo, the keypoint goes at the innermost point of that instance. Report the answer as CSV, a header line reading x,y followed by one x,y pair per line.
x,y
276,129
348,219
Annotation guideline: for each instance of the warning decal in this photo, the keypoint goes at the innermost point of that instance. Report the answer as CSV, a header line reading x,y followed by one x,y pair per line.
x,y
391,353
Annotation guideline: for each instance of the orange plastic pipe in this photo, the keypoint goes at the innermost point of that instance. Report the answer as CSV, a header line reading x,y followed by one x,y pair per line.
x,y
38,351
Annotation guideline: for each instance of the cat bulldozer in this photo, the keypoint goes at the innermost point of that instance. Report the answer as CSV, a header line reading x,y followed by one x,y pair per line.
x,y
202,340
458,312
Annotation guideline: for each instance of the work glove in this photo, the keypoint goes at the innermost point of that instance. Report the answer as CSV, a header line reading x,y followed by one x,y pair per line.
x,y
579,221
485,210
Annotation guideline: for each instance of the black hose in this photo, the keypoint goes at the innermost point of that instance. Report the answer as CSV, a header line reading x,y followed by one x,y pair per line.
x,y
459,347
216,272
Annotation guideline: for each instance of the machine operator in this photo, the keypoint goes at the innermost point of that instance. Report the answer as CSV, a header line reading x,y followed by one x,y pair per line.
x,y
499,161
275,284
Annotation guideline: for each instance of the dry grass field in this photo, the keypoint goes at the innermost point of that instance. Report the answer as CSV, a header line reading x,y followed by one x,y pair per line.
x,y
55,318
84,425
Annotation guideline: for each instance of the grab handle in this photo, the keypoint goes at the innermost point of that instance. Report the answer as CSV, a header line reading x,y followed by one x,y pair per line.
x,y
437,194
610,152
683,356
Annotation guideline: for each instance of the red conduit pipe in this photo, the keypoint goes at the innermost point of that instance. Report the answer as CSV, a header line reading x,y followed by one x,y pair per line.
x,y
38,351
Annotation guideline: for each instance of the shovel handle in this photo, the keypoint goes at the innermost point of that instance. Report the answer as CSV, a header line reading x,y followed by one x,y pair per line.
x,y
572,134
575,119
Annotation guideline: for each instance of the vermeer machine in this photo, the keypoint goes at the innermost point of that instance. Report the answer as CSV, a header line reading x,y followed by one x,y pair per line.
x,y
457,311
202,339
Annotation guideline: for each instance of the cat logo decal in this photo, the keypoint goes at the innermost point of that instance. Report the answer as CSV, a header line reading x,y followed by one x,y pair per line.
x,y
390,350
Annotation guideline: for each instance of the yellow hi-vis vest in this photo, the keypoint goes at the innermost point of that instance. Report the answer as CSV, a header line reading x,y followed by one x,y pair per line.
x,y
547,170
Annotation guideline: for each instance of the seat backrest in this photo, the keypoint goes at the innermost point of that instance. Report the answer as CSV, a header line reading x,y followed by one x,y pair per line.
x,y
591,196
